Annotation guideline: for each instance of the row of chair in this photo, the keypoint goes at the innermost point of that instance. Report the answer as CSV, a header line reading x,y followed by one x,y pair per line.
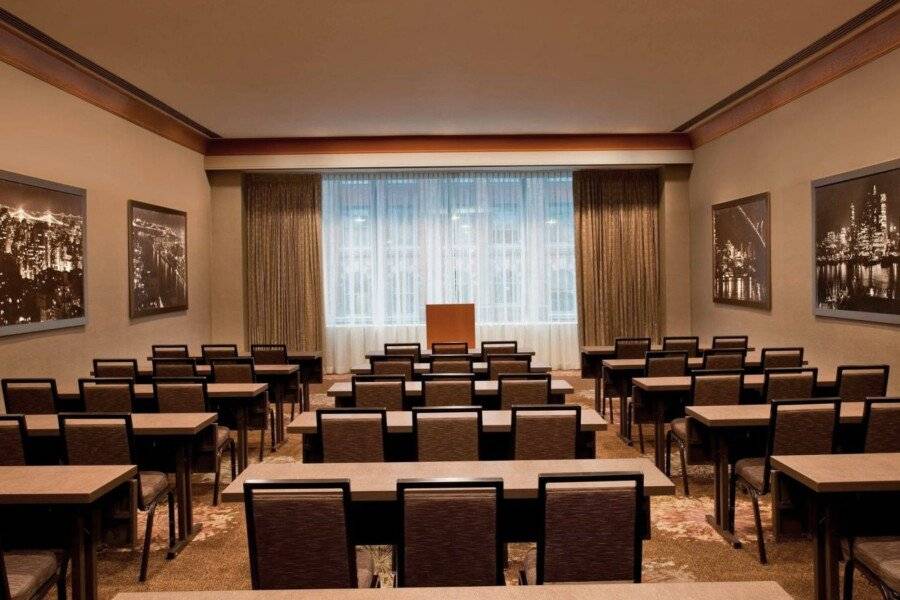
x,y
414,349
636,347
497,364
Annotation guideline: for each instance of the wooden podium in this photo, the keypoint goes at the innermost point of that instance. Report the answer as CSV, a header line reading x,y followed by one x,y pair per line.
x,y
450,323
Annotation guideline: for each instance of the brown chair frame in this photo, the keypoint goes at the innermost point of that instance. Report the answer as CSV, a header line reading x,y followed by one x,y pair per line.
x,y
130,361
723,351
762,356
105,381
495,343
520,376
719,338
515,410
417,410
23,436
59,581
4,384
840,375
354,411
204,348
173,361
867,412
416,346
355,379
184,347
787,370
446,377
436,352
695,340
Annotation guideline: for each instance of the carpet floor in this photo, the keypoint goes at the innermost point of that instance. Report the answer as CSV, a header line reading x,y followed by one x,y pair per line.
x,y
682,547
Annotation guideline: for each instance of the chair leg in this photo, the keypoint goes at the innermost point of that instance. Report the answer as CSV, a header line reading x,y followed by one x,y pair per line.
x,y
262,442
685,480
61,580
641,437
272,423
170,499
760,540
217,476
145,554
732,499
669,453
233,448
848,580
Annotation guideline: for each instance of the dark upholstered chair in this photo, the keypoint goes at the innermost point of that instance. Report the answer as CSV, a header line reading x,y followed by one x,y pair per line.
x,y
298,536
170,351
116,367
277,354
632,347
12,440
444,389
451,364
730,341
379,391
682,343
780,358
806,426
708,388
724,358
107,394
241,370
787,383
177,395
855,383
447,433
878,558
502,364
498,347
449,348
31,574
548,432
30,396
591,530
211,351
521,389
352,434
410,349
174,367
450,533
881,425
668,363
403,366
108,439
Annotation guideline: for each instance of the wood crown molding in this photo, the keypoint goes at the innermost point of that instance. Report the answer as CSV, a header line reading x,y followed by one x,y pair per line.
x,y
865,46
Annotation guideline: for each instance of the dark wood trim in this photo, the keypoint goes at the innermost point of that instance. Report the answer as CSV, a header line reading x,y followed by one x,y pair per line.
x,y
448,143
767,305
27,54
860,49
132,313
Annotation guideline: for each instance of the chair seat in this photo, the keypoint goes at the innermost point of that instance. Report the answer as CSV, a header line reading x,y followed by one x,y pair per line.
x,y
222,435
881,555
153,485
751,470
29,571
365,568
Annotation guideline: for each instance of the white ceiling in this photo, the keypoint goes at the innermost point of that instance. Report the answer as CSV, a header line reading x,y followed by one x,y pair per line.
x,y
273,68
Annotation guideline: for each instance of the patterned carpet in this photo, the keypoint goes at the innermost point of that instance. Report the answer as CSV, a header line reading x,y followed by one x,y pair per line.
x,y
683,547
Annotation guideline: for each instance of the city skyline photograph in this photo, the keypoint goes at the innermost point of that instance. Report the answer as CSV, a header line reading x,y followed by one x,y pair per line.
x,y
157,248
741,252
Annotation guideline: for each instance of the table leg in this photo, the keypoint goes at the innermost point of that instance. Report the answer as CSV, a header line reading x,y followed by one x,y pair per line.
x,y
242,418
598,393
85,533
304,402
279,386
184,498
659,429
719,521
825,565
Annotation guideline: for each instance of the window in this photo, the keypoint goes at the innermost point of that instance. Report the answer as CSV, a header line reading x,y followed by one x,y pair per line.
x,y
395,241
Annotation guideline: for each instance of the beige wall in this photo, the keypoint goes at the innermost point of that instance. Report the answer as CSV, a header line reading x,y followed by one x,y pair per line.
x,y
227,264
675,249
847,124
49,134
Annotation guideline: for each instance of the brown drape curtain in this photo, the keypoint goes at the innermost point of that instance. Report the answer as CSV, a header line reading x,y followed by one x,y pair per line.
x,y
284,260
616,254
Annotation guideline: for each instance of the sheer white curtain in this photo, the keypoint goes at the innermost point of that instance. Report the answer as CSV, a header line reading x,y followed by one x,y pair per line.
x,y
395,241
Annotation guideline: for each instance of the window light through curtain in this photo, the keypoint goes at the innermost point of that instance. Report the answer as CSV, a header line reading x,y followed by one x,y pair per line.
x,y
396,241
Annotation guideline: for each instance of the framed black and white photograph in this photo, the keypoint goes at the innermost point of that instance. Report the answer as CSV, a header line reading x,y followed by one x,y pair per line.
x,y
741,256
42,254
157,259
856,238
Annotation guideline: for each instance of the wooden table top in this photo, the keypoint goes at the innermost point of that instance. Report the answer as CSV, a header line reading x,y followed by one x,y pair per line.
x,y
145,370
637,364
733,590
144,424
825,473
611,350
683,384
60,484
425,367
757,415
400,421
215,390
378,481
427,353
489,387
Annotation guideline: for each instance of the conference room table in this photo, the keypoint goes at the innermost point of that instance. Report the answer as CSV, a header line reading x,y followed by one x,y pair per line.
x,y
235,398
727,427
495,442
426,355
74,491
833,479
695,590
592,357
422,368
374,510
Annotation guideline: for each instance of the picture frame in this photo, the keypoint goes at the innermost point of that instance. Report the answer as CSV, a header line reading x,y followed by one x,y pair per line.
x,y
741,252
157,259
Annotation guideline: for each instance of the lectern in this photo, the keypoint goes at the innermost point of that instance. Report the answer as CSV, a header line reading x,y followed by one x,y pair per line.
x,y
450,323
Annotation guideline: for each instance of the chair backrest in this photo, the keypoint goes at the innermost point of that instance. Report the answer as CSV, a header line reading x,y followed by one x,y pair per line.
x,y
451,364
632,347
881,425
805,426
441,389
592,527
787,383
450,533
502,364
211,351
716,387
447,433
269,354
682,343
449,348
524,389
181,394
233,370
666,364
393,365
116,367
547,432
30,396
498,347
292,523
170,351
730,341
12,441
111,394
174,367
725,358
352,434
855,383
97,439
379,391
411,349
779,358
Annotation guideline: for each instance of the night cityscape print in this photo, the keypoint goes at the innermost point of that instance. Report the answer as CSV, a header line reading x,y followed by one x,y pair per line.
x,y
158,259
42,233
741,252
858,244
